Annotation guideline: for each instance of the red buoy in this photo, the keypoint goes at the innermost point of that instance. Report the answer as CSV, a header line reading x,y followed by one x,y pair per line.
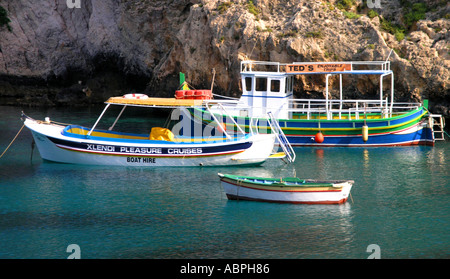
x,y
222,127
319,137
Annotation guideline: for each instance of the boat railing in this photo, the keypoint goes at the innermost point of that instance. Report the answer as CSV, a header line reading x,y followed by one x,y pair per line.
x,y
260,66
352,67
254,122
282,140
230,105
218,101
347,109
227,114
406,106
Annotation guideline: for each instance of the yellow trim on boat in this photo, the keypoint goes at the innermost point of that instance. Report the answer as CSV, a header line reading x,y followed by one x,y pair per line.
x,y
84,132
349,129
342,117
199,140
155,102
278,155
355,129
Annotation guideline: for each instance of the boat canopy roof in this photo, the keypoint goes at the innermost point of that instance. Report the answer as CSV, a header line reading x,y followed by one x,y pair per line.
x,y
142,100
307,68
154,102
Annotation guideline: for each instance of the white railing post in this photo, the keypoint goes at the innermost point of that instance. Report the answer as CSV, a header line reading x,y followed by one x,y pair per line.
x,y
326,94
96,122
392,94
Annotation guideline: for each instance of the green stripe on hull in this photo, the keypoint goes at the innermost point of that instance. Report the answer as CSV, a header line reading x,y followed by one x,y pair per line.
x,y
309,131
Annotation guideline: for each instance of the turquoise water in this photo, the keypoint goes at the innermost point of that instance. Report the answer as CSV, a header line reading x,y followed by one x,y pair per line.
x,y
400,203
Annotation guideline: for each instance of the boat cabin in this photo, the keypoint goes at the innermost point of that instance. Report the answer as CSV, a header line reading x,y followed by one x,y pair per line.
x,y
264,91
268,86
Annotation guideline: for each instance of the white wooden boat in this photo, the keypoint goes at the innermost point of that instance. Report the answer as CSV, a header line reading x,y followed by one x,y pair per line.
x,y
286,190
81,145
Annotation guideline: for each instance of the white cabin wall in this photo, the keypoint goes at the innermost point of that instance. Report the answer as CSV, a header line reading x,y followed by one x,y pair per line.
x,y
260,99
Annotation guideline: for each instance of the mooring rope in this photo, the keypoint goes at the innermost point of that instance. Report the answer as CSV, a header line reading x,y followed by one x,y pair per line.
x,y
12,141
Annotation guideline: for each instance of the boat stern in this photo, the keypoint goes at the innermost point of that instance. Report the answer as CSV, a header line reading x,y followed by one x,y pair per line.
x,y
261,149
346,188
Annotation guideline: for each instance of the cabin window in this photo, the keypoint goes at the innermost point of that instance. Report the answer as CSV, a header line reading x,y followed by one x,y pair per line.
x,y
248,84
261,84
275,85
289,83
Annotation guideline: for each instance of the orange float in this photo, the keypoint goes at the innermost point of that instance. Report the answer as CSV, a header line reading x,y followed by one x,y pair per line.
x,y
319,138
203,94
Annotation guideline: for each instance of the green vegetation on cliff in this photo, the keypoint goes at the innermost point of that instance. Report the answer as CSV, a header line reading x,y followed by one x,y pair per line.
x,y
4,20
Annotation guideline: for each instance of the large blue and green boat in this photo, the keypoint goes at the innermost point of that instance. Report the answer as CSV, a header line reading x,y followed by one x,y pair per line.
x,y
268,88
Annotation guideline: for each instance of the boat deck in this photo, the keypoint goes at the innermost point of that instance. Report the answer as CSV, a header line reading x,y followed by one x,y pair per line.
x,y
76,131
286,181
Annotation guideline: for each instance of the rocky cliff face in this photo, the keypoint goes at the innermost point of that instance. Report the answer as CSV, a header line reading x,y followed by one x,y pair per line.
x,y
51,54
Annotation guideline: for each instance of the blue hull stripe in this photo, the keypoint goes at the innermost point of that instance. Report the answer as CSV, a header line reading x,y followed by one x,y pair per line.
x,y
423,136
175,151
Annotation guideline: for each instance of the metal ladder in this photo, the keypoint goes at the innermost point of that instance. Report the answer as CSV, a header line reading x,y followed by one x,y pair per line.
x,y
438,121
282,140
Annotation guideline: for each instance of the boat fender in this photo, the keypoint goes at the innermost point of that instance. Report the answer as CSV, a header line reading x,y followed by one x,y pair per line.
x,y
179,94
319,137
222,127
365,133
135,96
